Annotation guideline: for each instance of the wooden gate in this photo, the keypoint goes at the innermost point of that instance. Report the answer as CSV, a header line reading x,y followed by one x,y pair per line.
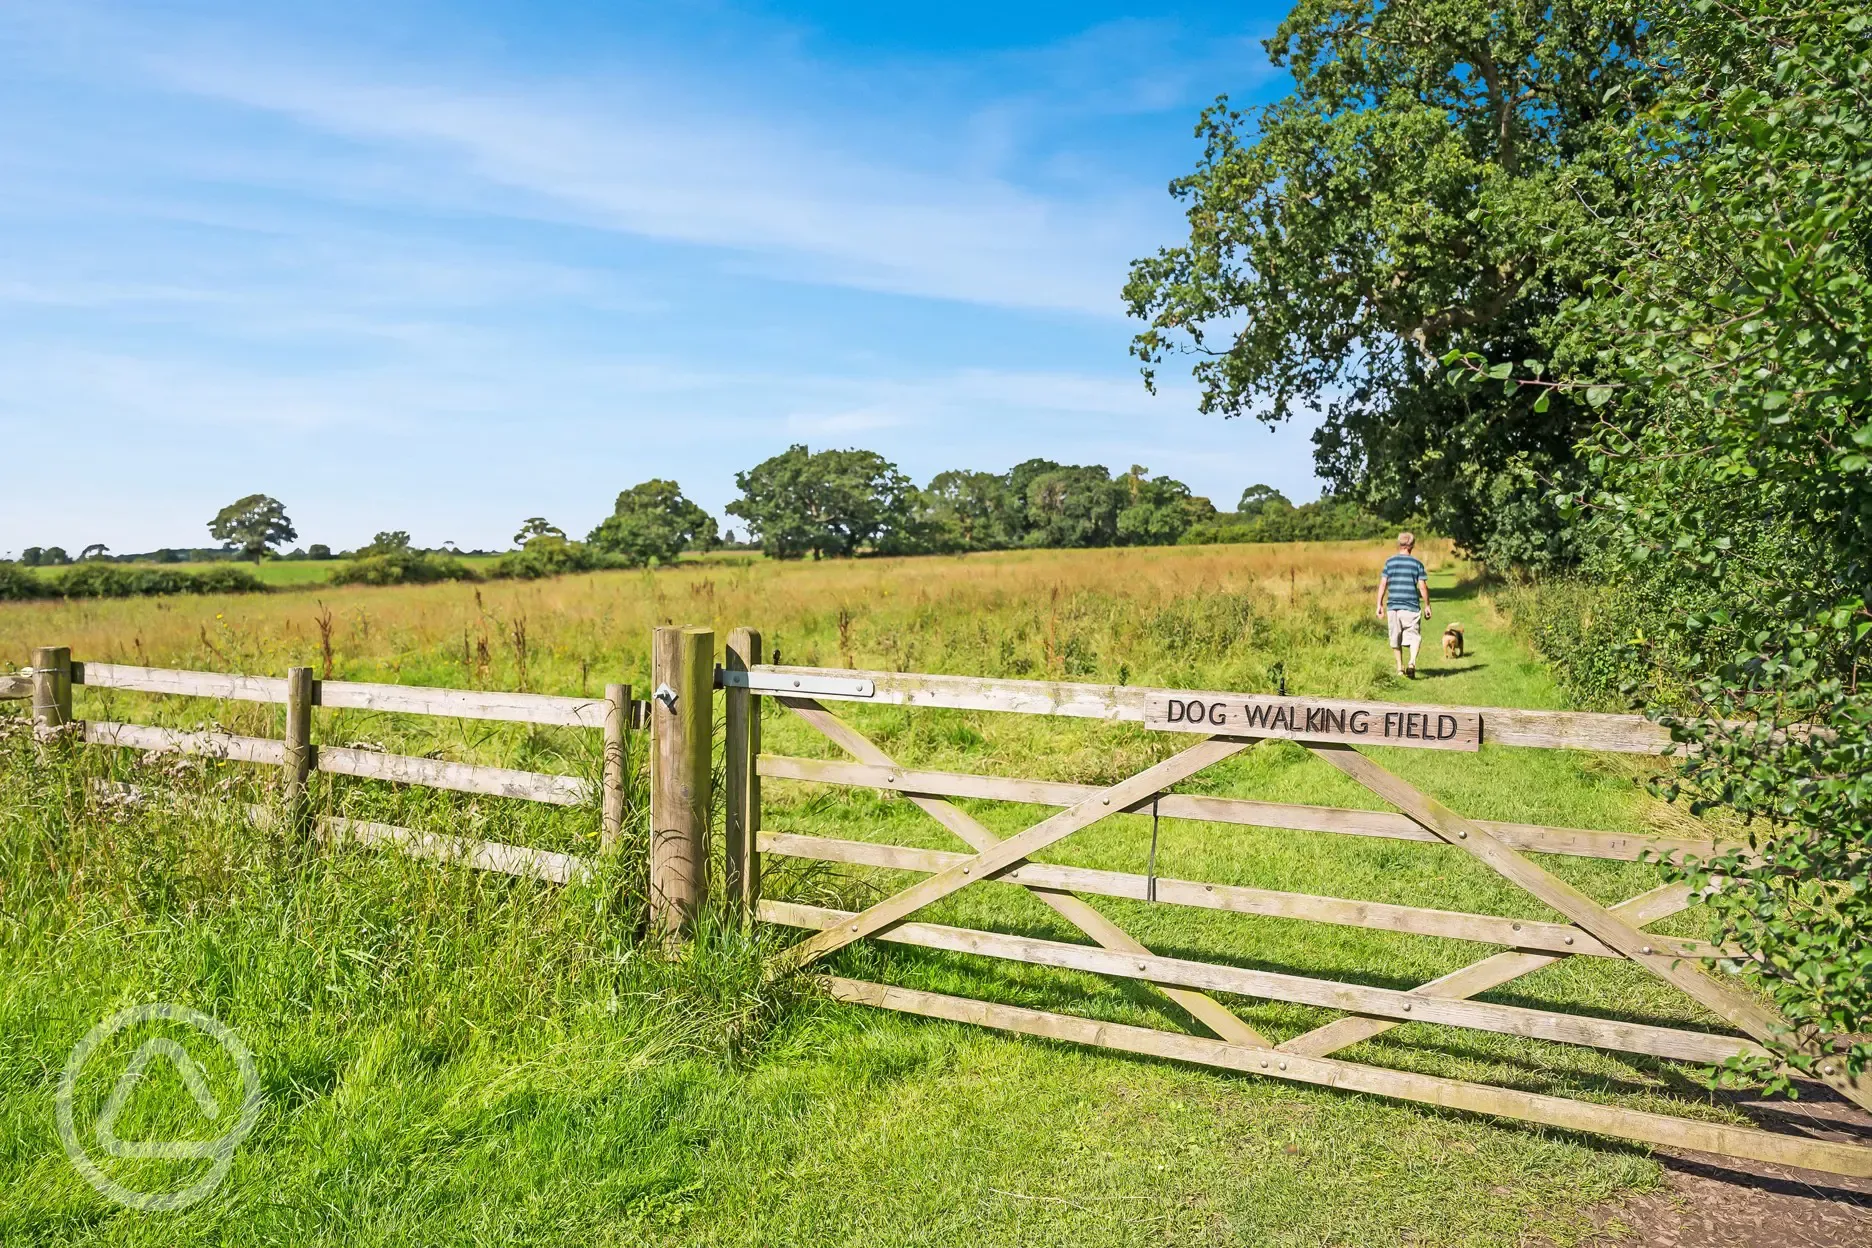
x,y
1223,724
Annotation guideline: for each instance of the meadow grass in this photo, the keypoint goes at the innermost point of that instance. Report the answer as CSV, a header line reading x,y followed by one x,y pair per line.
x,y
452,1058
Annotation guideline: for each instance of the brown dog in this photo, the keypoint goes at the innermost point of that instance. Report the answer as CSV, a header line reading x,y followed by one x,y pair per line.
x,y
1452,642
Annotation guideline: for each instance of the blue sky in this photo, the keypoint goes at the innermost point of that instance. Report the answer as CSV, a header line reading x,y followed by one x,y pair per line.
x,y
441,267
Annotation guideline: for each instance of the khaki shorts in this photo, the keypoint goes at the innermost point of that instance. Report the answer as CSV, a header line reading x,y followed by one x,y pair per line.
x,y
1406,627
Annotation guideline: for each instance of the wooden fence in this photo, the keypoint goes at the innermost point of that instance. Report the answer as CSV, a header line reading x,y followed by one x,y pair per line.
x,y
679,717
49,684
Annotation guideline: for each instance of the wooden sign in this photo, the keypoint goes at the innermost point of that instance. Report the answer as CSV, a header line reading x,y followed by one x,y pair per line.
x,y
1313,719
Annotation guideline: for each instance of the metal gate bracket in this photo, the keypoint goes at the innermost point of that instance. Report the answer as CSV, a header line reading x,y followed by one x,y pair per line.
x,y
805,686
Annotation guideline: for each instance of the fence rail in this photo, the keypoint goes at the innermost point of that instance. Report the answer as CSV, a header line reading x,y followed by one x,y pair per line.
x,y
524,708
432,773
50,681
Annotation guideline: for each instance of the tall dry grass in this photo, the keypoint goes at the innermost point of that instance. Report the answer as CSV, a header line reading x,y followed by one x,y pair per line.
x,y
1105,614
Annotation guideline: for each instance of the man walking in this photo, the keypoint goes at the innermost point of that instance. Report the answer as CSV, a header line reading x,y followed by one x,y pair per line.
x,y
1404,601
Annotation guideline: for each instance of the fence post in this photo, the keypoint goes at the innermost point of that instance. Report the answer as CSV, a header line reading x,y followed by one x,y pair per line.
x,y
743,732
52,688
300,691
682,677
616,747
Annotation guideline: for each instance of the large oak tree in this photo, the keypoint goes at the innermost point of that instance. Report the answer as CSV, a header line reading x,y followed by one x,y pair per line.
x,y
1393,207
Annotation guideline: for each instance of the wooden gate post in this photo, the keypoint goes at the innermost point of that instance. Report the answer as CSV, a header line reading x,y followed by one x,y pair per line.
x,y
52,688
616,747
298,763
682,677
743,731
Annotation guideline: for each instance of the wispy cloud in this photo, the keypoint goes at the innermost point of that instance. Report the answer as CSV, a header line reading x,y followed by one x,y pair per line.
x,y
831,186
411,277
619,158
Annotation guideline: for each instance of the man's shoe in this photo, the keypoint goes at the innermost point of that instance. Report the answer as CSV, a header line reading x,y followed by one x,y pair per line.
x,y
1411,671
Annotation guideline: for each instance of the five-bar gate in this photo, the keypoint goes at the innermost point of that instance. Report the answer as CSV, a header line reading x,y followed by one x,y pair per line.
x,y
1216,727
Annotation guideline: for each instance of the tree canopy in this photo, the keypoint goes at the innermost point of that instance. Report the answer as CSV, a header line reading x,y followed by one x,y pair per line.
x,y
1256,498
1395,205
852,502
254,524
388,542
535,526
833,502
653,523
971,510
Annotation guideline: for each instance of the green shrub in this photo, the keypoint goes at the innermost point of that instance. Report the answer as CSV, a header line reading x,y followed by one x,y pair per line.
x,y
1595,636
1328,520
403,567
19,585
105,580
227,578
551,556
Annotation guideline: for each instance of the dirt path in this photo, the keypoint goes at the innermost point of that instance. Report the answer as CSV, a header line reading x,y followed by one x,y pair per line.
x,y
1710,1202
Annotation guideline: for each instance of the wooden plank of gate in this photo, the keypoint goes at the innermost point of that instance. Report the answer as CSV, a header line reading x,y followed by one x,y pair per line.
x,y
1479,977
1578,842
1825,1155
1314,719
1702,1047
999,857
1501,725
1211,1013
1727,1003
1487,929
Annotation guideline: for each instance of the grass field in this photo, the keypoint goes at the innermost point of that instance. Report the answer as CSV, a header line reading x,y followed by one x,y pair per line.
x,y
451,1058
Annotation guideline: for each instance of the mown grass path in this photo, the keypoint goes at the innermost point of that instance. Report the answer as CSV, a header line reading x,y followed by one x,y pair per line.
x,y
452,1059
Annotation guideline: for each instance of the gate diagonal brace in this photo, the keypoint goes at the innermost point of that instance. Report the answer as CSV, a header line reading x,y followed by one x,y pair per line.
x,y
1726,1002
1477,978
1004,854
1205,1009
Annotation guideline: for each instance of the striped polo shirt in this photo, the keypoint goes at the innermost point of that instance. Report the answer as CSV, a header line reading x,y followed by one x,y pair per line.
x,y
1401,574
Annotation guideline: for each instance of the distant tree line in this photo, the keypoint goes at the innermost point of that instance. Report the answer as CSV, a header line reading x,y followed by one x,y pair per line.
x,y
830,503
846,502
